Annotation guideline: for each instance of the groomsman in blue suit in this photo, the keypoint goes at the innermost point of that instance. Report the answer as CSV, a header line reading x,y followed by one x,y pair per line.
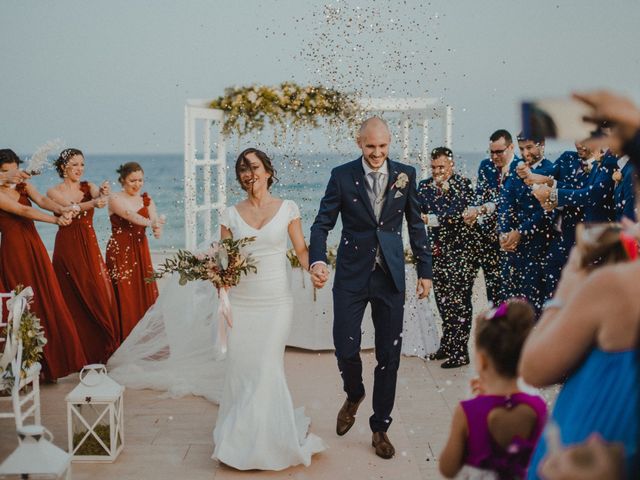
x,y
525,228
594,196
492,174
624,191
443,198
569,171
372,194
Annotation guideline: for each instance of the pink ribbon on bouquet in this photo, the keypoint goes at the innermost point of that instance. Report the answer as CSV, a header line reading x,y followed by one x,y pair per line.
x,y
224,318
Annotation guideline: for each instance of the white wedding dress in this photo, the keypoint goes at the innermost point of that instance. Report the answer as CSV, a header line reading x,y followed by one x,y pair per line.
x,y
257,427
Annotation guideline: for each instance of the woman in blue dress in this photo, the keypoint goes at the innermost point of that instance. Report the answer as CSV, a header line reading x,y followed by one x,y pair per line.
x,y
588,337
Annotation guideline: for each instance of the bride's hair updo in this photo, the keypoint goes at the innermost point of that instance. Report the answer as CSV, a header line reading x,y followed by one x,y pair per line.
x,y
243,163
61,162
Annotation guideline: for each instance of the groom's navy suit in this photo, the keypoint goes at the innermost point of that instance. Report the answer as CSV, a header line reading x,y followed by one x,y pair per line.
x,y
359,279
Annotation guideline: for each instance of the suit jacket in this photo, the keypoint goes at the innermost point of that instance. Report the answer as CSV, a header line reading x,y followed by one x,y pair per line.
x,y
346,194
451,233
520,210
596,195
488,187
624,194
568,172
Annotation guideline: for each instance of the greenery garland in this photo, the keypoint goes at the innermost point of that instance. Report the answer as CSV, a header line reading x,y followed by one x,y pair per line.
x,y
288,105
33,342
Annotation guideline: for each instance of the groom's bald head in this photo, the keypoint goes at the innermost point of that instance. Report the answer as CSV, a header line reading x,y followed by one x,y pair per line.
x,y
376,124
373,139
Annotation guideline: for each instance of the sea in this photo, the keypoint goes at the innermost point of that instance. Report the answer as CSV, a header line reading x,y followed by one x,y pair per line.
x,y
302,178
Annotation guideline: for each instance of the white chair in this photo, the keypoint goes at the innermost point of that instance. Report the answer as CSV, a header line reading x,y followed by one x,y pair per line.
x,y
25,401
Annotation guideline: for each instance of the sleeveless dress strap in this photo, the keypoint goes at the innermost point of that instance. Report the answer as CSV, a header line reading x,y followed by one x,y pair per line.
x,y
146,199
86,189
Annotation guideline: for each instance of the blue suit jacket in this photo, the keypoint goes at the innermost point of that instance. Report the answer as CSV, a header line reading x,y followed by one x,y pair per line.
x,y
568,173
596,195
624,194
346,194
520,210
488,189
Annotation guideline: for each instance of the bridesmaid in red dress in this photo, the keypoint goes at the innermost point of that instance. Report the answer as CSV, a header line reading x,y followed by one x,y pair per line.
x,y
78,263
128,257
24,260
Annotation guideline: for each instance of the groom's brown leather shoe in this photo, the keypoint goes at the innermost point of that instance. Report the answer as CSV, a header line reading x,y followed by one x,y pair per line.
x,y
383,446
347,415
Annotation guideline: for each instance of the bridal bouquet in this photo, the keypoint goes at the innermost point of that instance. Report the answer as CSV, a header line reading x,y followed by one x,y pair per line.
x,y
222,264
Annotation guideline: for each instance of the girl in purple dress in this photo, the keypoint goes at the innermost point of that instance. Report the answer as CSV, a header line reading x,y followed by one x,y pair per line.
x,y
493,434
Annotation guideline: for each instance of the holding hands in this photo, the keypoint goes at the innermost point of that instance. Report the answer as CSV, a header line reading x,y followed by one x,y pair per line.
x,y
319,274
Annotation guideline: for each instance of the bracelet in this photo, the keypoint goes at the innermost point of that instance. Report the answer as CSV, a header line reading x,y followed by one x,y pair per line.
x,y
553,303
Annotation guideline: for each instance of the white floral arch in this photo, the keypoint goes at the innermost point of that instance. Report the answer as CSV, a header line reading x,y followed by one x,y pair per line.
x,y
203,128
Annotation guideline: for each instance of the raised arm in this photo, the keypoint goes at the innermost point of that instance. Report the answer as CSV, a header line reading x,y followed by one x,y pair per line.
x,y
45,202
11,206
96,201
120,208
567,331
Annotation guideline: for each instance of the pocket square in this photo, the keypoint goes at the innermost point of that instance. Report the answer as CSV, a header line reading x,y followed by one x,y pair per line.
x,y
398,194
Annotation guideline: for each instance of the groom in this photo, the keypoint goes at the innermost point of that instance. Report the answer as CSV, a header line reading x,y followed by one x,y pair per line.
x,y
372,194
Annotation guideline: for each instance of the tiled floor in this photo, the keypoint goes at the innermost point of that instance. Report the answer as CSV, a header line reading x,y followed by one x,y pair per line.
x,y
171,438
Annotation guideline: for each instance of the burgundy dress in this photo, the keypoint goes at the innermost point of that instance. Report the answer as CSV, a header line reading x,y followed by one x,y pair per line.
x,y
86,286
129,264
25,261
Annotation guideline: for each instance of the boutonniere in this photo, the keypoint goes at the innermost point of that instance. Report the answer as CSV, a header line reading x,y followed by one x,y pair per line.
x,y
617,176
445,186
401,181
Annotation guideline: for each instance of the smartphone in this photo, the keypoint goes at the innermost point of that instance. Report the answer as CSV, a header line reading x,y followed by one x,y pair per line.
x,y
561,118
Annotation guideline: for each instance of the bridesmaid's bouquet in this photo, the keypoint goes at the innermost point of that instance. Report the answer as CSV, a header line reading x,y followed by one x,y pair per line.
x,y
222,264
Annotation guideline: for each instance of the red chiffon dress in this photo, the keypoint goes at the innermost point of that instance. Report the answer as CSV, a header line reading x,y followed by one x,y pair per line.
x,y
25,261
86,286
129,264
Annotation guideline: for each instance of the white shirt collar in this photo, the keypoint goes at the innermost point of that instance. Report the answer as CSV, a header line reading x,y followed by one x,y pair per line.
x,y
537,164
590,161
622,161
384,169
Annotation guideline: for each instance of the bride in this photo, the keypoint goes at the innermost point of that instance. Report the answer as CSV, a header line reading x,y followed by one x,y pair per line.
x,y
257,427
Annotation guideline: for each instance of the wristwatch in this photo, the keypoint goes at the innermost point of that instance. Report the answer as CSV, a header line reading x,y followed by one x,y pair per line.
x,y
553,197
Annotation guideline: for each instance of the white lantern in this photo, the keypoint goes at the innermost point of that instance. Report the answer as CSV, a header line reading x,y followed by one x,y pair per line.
x,y
95,417
36,456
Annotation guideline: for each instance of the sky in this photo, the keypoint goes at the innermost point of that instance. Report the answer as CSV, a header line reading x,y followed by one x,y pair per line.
x,y
113,77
